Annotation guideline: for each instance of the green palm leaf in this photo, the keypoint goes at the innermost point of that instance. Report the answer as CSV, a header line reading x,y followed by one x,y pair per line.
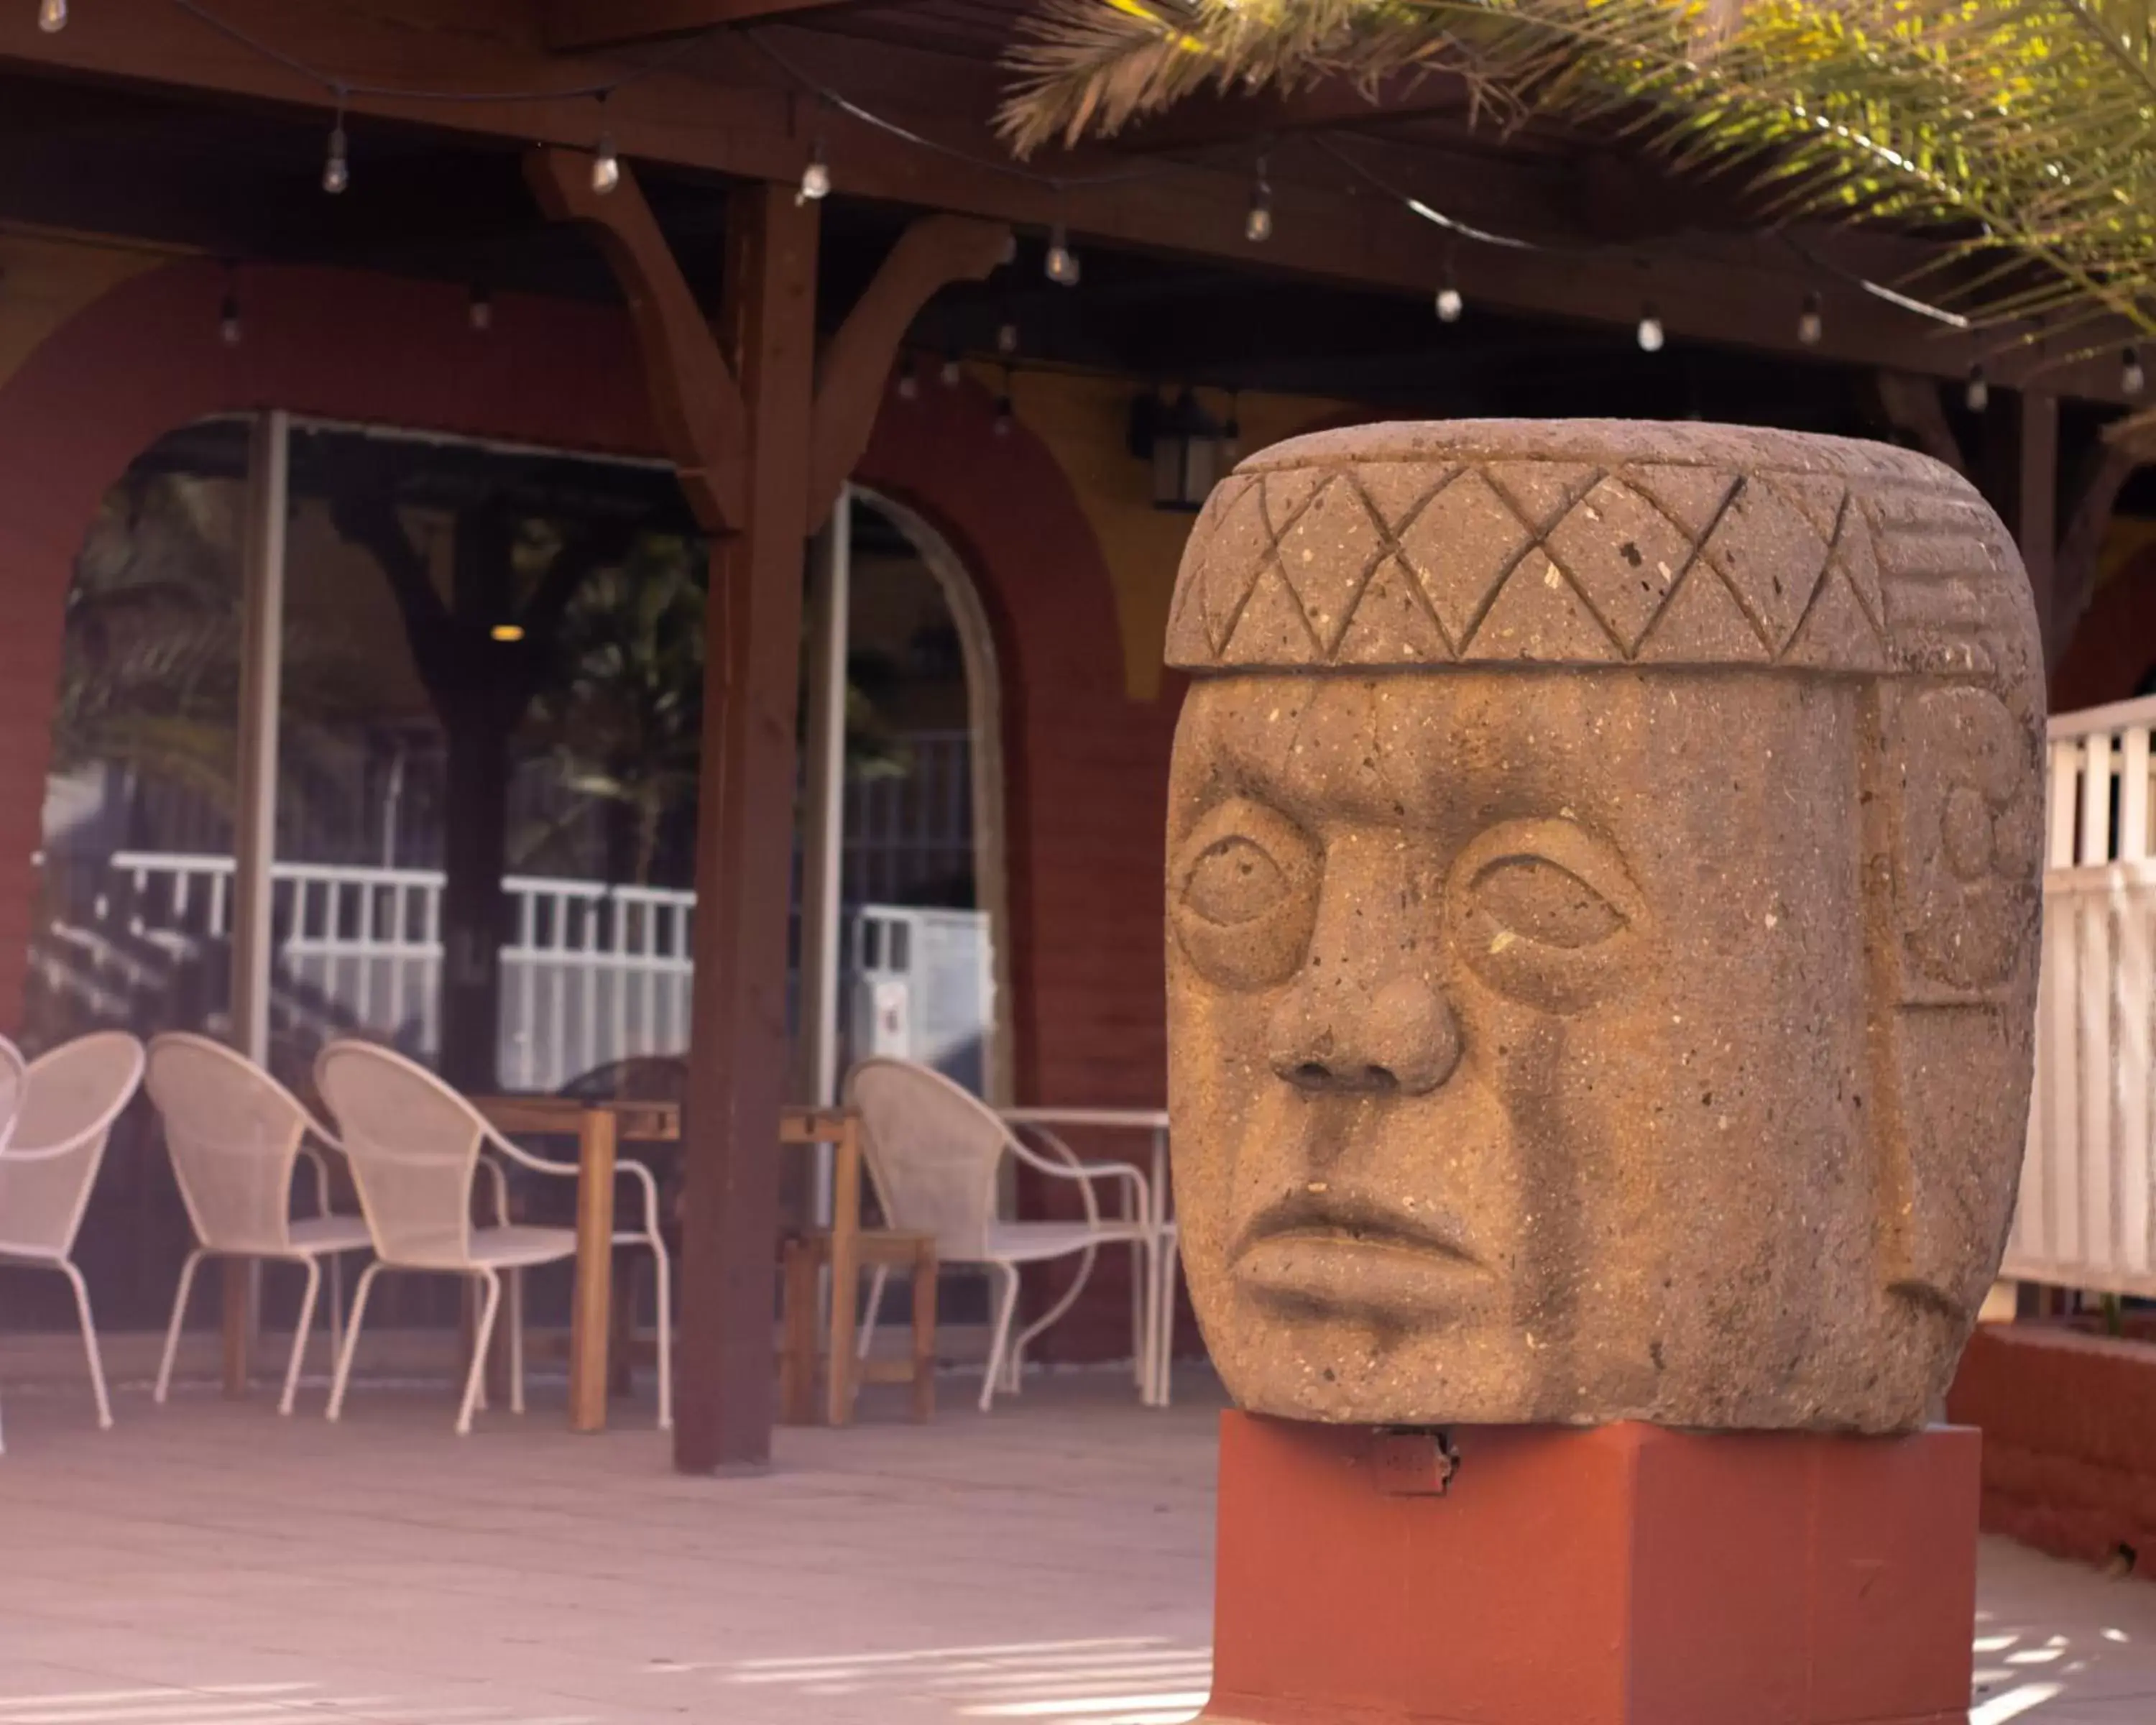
x,y
2021,132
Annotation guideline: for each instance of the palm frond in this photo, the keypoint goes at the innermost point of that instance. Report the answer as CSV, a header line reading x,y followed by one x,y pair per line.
x,y
2025,129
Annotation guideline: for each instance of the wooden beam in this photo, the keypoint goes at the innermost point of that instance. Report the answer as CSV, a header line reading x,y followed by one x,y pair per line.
x,y
738,1071
694,397
852,370
727,110
571,26
2019,476
1911,404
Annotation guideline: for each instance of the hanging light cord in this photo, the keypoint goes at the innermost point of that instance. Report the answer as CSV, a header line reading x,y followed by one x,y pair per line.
x,y
341,90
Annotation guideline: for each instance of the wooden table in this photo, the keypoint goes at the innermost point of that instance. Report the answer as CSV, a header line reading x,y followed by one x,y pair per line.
x,y
599,1128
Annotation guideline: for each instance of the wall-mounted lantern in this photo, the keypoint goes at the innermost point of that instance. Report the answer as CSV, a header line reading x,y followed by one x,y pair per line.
x,y
1190,450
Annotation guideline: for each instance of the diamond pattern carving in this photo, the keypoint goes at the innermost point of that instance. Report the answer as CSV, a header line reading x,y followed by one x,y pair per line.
x,y
1407,562
1459,546
1624,554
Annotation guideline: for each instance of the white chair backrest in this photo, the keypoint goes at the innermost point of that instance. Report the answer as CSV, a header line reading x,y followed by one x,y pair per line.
x,y
233,1132
70,1098
413,1143
932,1148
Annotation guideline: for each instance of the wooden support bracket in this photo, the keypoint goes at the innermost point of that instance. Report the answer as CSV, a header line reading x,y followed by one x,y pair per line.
x,y
695,393
851,369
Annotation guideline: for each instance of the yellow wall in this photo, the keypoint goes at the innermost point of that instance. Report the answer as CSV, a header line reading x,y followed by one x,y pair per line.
x,y
45,279
1085,421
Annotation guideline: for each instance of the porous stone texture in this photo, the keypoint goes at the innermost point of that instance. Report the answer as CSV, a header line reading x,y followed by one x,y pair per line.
x,y
1603,891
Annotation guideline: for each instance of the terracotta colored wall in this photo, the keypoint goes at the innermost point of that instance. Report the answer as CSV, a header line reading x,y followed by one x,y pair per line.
x,y
2068,1425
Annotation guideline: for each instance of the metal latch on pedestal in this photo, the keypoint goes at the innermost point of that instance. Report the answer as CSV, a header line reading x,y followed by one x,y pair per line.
x,y
1412,1461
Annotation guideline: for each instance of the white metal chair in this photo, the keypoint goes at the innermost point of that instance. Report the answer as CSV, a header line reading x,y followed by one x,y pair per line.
x,y
416,1147
70,1097
934,1151
235,1136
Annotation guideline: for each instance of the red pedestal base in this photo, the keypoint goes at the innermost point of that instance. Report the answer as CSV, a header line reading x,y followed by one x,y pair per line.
x,y
1621,1576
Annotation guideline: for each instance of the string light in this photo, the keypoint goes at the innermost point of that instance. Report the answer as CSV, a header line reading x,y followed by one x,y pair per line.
x,y
1450,305
1001,425
229,330
2131,379
52,16
953,370
336,165
606,165
815,178
507,632
479,313
1063,268
909,382
1007,336
1811,321
1977,397
1258,224
1650,332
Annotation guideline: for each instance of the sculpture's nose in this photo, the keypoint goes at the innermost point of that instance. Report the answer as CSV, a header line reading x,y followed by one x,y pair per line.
x,y
1336,1035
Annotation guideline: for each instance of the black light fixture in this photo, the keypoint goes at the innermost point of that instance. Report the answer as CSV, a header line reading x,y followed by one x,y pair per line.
x,y
1190,450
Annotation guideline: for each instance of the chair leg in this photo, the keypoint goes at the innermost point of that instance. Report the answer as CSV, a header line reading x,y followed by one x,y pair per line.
x,y
868,1319
90,1343
1141,1322
662,1277
337,1303
1006,1308
299,1333
172,1329
516,1341
351,1328
475,1380
1163,1340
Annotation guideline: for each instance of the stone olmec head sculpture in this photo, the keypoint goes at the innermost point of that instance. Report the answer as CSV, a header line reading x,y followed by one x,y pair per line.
x,y
1603,890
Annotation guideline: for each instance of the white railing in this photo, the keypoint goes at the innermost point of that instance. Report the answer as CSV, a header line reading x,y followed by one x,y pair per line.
x,y
2086,1217
594,973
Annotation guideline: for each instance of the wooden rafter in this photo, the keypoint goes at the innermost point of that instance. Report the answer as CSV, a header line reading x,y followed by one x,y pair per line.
x,y
570,26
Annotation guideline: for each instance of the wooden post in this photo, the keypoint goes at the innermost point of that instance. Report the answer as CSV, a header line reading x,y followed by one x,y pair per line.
x,y
730,1161
254,835
2020,477
763,438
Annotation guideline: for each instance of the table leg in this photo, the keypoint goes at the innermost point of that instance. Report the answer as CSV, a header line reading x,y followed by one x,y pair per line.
x,y
1163,1274
845,1229
588,1313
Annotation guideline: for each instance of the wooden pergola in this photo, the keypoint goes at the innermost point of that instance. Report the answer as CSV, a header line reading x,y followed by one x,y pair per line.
x,y
766,399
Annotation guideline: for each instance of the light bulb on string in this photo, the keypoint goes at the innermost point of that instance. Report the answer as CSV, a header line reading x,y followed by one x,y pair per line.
x,y
1449,304
1650,332
1062,266
1258,224
909,380
336,164
52,16
1977,396
1811,321
229,328
815,178
1007,336
953,369
606,165
2131,379
1005,413
479,313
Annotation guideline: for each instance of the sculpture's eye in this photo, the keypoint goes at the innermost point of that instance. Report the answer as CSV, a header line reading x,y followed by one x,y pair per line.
x,y
1243,895
1233,882
1538,900
1544,910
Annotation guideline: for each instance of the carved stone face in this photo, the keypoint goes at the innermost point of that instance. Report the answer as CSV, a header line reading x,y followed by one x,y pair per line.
x,y
1584,1042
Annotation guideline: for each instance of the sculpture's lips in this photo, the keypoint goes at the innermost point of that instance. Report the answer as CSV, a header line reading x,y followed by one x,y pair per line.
x,y
1356,1256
